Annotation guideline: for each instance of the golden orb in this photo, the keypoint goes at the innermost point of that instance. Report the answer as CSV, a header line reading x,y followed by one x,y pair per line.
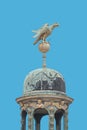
x,y
44,46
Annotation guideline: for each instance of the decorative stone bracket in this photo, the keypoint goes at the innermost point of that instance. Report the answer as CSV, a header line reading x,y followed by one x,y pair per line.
x,y
44,104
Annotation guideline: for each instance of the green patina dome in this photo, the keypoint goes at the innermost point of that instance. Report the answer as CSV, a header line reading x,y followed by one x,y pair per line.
x,y
44,79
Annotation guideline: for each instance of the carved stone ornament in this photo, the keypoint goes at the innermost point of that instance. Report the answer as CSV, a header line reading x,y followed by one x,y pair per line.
x,y
61,105
45,104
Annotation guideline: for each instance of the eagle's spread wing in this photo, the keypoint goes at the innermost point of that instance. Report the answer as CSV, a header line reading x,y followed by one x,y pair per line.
x,y
40,31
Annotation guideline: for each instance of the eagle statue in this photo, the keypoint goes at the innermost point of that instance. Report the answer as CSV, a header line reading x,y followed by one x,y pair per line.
x,y
44,32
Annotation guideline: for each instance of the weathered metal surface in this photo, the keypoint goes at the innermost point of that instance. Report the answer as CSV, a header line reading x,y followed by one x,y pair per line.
x,y
44,79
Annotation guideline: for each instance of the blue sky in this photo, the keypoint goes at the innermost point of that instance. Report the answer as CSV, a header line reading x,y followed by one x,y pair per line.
x,y
18,56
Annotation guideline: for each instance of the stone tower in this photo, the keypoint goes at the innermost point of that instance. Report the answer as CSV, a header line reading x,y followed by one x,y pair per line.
x,y
44,94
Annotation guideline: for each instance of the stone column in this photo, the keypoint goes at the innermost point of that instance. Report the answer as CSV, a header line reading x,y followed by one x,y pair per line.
x,y
66,120
30,120
23,120
51,119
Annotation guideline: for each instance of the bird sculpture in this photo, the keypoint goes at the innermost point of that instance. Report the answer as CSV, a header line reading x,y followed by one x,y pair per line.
x,y
44,32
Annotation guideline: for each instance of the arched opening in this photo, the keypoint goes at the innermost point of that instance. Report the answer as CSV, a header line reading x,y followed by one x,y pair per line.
x,y
27,122
41,117
45,122
23,119
62,123
58,119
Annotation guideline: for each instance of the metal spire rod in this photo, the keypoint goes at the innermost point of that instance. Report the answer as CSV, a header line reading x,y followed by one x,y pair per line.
x,y
44,60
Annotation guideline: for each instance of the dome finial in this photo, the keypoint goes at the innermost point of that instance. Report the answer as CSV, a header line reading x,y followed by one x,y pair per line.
x,y
44,47
42,34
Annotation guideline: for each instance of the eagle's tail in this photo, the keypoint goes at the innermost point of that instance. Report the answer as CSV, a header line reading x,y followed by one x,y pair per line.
x,y
35,42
